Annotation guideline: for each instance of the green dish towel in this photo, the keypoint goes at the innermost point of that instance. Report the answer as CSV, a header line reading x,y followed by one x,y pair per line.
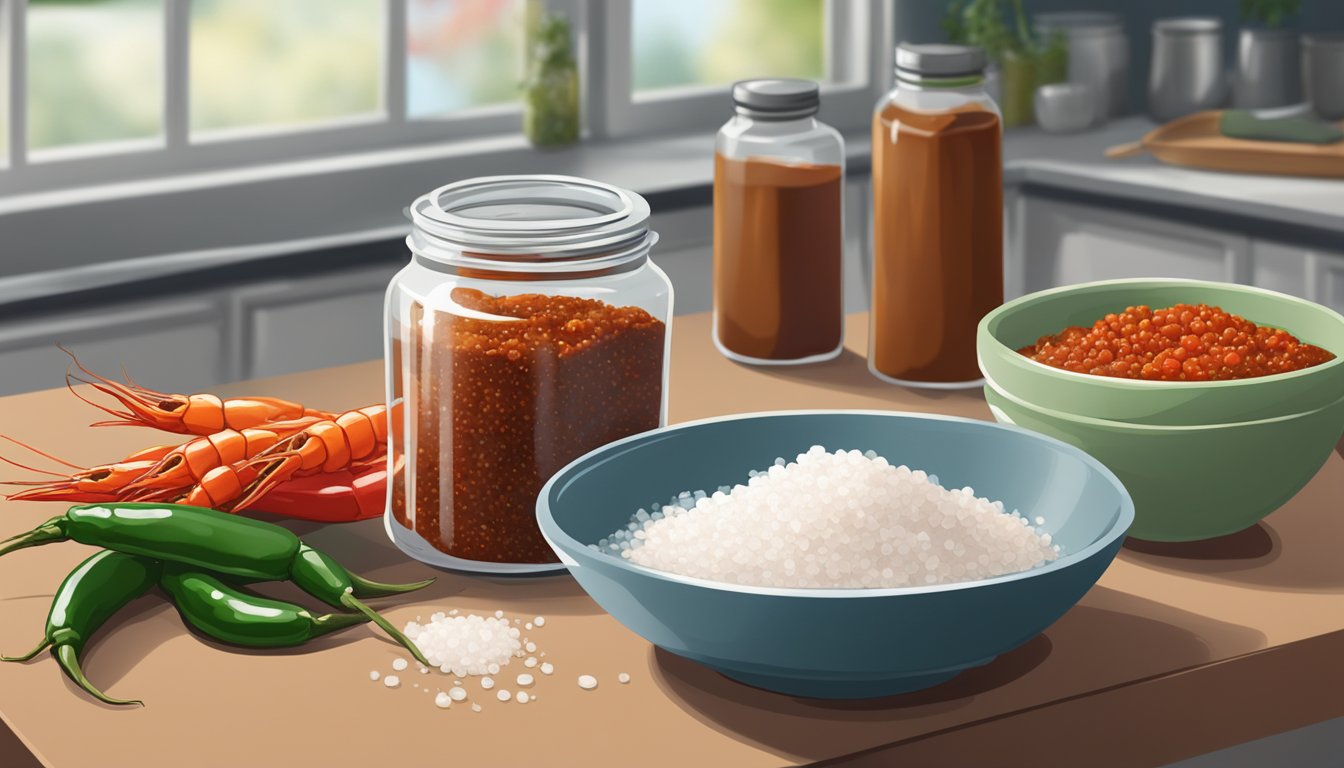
x,y
1240,124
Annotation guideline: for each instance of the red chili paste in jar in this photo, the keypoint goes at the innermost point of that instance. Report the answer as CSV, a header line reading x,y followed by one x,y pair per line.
x,y
1181,343
505,403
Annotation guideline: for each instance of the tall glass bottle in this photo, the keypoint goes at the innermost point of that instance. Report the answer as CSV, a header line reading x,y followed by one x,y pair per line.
x,y
778,230
937,217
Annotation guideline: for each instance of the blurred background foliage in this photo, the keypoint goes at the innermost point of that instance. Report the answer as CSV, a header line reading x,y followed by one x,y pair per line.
x,y
714,42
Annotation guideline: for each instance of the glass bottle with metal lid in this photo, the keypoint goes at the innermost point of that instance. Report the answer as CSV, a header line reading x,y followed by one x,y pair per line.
x,y
778,228
529,328
937,218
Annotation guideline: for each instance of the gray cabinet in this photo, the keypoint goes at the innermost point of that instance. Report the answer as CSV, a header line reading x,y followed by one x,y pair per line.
x,y
175,345
1053,242
299,324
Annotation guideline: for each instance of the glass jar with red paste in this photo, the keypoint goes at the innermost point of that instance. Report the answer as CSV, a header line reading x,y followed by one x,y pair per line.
x,y
529,328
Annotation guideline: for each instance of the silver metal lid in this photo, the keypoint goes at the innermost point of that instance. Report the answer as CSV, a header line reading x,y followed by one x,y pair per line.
x,y
939,60
538,220
776,99
1078,23
1188,25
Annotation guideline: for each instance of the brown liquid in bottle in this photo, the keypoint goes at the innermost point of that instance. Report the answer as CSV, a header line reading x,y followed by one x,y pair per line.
x,y
937,240
777,258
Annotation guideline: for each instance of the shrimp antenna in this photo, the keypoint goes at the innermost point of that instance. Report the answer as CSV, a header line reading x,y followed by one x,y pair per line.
x,y
43,454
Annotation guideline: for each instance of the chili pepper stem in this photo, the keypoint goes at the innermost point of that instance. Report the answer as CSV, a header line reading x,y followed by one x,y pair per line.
x,y
332,622
43,534
42,646
350,601
69,661
368,588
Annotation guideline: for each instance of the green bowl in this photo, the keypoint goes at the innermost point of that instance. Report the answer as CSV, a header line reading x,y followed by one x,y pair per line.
x,y
1191,483
1020,322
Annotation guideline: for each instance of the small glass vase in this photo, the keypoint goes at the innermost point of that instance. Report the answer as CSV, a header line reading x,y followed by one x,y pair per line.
x,y
551,106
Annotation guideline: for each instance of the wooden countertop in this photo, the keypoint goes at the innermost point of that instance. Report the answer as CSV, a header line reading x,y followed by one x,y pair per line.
x,y
1179,650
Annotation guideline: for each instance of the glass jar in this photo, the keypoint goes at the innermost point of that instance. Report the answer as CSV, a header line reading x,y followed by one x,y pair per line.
x,y
529,328
778,227
937,218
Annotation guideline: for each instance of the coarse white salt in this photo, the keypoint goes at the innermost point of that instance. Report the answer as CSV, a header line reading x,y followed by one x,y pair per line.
x,y
530,661
475,707
528,625
487,683
587,682
391,681
540,621
457,693
443,700
522,697
503,694
399,664
373,675
839,520
424,670
492,669
499,614
525,680
465,645
547,668
623,678
530,647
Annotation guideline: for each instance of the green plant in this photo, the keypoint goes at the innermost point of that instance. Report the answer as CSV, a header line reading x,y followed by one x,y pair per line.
x,y
1271,13
1000,28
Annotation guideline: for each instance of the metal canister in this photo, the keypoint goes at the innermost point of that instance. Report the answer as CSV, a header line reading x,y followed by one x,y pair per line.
x,y
1098,56
1187,72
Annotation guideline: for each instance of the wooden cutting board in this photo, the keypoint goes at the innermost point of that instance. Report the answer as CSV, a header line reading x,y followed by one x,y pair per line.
x,y
1194,141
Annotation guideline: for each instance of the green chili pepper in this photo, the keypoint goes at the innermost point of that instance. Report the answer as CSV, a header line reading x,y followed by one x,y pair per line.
x,y
233,616
88,597
215,541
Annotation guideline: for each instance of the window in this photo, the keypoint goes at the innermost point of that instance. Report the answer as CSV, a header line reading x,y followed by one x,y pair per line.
x,y
669,62
97,91
95,74
462,55
259,64
715,42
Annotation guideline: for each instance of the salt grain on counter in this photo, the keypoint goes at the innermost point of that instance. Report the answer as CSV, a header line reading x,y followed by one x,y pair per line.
x,y
373,675
587,682
487,683
457,693
465,645
443,700
623,678
399,664
525,680
503,694
540,621
547,668
391,681
531,647
528,625
841,520
522,697
475,707
530,661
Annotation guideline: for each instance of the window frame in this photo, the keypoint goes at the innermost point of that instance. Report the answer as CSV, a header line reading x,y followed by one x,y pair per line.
x,y
860,38
857,74
176,151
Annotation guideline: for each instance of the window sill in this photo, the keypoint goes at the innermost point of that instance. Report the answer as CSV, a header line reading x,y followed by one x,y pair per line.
x,y
114,234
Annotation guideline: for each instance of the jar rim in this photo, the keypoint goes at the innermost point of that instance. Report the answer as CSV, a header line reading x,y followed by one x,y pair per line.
x,y
529,221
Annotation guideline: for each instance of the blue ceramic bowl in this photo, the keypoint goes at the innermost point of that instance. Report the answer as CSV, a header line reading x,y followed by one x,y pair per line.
x,y
837,643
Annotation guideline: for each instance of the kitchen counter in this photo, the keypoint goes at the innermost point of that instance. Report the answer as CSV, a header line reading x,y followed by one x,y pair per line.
x,y
1075,163
280,215
1179,650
